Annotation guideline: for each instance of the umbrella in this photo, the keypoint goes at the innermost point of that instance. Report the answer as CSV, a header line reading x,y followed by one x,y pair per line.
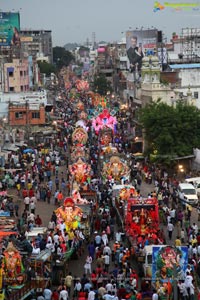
x,y
28,151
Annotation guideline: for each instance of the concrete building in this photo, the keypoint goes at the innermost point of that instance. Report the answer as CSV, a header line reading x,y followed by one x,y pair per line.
x,y
189,75
30,97
37,42
16,76
26,114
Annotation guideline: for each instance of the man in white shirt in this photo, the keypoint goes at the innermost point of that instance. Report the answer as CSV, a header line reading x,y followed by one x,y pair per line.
x,y
118,236
56,238
91,294
155,295
106,261
170,228
26,202
47,294
107,249
63,294
188,280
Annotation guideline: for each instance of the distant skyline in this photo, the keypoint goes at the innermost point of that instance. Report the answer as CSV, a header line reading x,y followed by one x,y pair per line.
x,y
75,20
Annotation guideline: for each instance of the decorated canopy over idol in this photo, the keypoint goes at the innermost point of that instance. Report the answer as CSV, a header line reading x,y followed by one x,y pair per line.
x,y
79,136
104,120
80,171
116,169
69,214
105,136
82,85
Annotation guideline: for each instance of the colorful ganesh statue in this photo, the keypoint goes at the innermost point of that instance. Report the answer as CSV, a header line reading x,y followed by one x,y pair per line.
x,y
80,170
104,120
70,214
80,136
12,266
116,169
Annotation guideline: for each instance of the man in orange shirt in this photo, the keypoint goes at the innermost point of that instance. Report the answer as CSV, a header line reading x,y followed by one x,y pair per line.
x,y
60,197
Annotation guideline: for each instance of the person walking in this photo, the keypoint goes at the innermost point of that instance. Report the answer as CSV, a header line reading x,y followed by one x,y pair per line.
x,y
170,228
87,265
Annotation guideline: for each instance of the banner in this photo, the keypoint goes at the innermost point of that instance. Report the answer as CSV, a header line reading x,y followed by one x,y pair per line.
x,y
9,29
169,263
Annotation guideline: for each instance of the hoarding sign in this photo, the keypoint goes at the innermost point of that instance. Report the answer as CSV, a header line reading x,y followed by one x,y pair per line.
x,y
140,43
9,29
146,39
169,262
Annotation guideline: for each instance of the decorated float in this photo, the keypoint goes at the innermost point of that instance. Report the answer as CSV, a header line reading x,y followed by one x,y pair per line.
x,y
82,85
141,217
13,270
79,136
104,120
70,214
80,171
106,136
115,169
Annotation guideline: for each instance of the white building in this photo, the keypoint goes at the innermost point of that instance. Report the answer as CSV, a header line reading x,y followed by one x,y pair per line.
x,y
31,97
190,78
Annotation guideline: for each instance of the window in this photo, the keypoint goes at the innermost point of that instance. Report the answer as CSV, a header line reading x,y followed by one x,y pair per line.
x,y
10,74
19,115
11,89
21,73
196,95
36,115
22,88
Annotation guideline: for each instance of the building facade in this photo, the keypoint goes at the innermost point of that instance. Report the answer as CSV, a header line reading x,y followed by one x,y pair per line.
x,y
16,76
26,114
37,43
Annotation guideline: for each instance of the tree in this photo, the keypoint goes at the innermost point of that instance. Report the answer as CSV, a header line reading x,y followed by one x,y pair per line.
x,y
62,57
101,85
171,131
46,68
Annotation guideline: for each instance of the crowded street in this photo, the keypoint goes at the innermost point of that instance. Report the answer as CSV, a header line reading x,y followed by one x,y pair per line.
x,y
99,150
87,212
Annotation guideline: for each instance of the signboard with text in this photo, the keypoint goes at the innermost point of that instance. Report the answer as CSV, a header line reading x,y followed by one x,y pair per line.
x,y
9,28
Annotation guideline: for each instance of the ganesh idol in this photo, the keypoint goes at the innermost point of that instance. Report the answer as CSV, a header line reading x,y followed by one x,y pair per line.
x,y
12,265
80,171
116,169
69,213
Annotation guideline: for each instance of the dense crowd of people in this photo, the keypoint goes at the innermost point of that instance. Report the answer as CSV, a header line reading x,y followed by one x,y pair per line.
x,y
110,270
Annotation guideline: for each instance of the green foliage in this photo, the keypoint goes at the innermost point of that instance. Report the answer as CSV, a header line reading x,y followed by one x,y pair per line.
x,y
62,57
171,131
46,68
101,85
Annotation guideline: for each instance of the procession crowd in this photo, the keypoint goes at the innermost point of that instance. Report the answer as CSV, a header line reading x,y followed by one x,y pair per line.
x,y
110,270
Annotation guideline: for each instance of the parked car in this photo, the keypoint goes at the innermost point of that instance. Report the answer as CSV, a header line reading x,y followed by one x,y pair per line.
x,y
195,181
187,194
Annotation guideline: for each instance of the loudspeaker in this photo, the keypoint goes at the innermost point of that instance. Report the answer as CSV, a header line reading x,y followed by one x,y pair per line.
x,y
160,36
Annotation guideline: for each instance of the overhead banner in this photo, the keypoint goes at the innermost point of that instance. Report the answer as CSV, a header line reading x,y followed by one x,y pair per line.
x,y
9,28
146,39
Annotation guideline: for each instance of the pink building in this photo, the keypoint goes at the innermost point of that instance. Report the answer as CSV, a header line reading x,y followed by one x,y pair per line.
x,y
16,76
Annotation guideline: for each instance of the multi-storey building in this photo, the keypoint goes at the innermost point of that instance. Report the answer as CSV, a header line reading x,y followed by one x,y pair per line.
x,y
16,76
37,42
26,114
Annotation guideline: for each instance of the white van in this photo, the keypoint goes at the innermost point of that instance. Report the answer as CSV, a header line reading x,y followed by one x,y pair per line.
x,y
187,193
195,181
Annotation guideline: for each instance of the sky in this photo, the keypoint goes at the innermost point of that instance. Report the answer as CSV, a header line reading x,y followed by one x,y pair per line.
x,y
75,20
